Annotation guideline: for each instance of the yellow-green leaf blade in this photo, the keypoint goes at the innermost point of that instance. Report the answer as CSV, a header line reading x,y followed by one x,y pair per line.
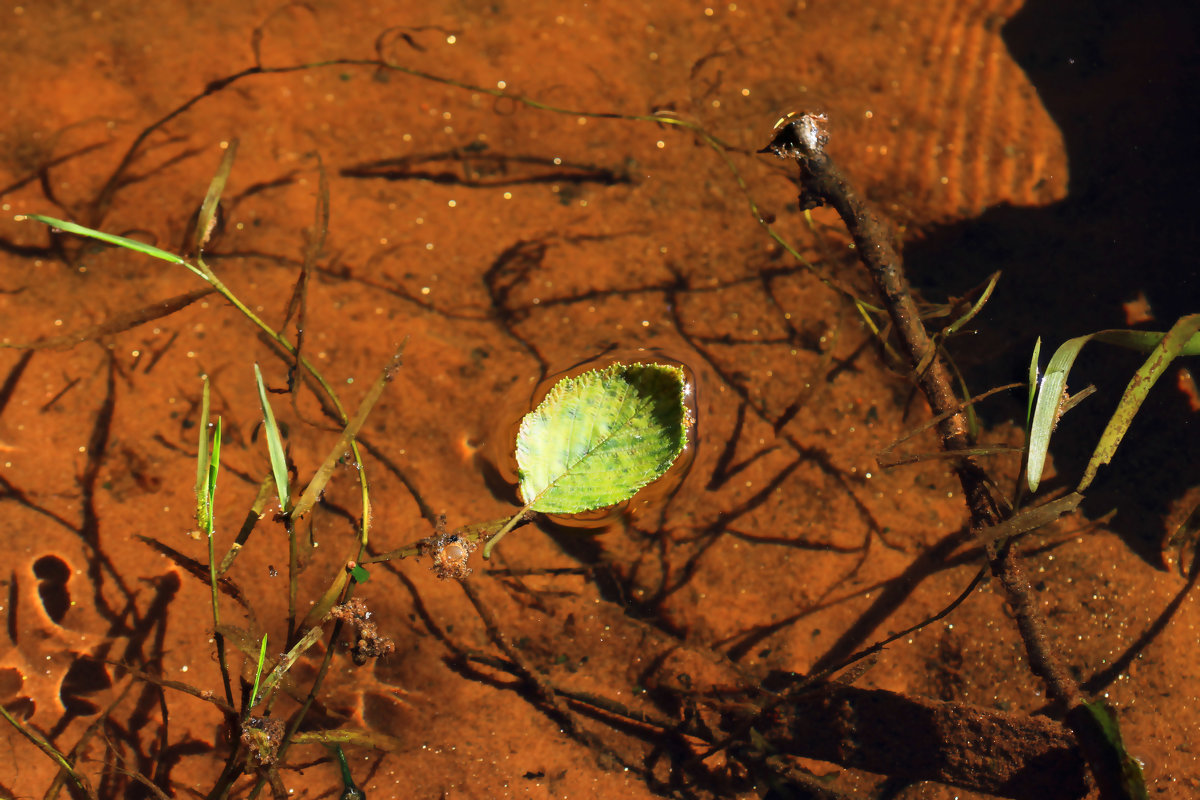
x,y
275,448
597,438
1173,344
1185,342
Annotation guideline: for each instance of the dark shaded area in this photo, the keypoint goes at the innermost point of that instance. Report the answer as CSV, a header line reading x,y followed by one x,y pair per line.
x,y
14,598
85,676
1119,79
919,739
11,681
474,166
13,378
52,574
891,597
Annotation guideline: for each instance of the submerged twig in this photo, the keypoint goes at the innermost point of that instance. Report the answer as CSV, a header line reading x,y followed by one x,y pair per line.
x,y
802,137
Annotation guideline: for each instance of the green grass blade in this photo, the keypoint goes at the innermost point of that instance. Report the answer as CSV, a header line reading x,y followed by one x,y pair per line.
x,y
1146,341
262,657
202,458
51,751
214,468
977,306
1173,344
1132,784
1034,369
274,443
208,468
119,241
289,660
598,438
1045,413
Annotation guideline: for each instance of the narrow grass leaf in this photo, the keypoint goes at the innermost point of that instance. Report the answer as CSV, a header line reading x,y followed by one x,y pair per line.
x,y
1170,346
354,736
598,438
289,660
214,468
249,643
197,570
186,688
202,457
331,597
274,443
253,515
109,238
1031,518
1132,784
1045,413
1034,373
208,209
210,493
1145,341
977,306
262,656
321,477
51,751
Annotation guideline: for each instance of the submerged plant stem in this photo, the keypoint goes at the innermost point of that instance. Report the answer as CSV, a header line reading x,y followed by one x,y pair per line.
x,y
803,138
500,534
50,750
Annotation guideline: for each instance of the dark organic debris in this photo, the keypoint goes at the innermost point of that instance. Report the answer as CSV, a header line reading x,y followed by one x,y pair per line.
x,y
368,643
450,556
262,736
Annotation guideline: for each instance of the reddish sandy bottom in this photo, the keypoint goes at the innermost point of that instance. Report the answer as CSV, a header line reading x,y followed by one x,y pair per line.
x,y
506,241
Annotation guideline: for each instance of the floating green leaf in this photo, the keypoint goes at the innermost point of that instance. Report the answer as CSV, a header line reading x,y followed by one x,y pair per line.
x,y
597,438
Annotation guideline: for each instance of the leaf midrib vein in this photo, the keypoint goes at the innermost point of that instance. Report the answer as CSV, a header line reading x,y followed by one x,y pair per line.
x,y
569,469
